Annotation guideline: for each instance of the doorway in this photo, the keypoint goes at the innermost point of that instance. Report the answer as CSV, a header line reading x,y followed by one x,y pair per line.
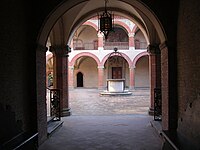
x,y
79,79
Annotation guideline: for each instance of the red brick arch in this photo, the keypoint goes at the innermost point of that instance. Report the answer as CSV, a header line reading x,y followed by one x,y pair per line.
x,y
123,55
138,57
134,29
72,62
91,24
123,25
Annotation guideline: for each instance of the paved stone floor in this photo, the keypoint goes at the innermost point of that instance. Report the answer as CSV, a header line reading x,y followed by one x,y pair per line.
x,y
106,123
90,102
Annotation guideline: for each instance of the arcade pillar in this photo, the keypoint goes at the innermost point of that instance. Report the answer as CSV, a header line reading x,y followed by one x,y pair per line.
x,y
60,53
155,73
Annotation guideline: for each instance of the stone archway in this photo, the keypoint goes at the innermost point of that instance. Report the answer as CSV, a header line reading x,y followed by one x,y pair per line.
x,y
75,5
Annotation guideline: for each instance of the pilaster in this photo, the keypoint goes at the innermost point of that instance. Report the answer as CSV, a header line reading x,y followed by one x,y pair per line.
x,y
100,41
100,77
131,41
71,77
132,78
165,86
41,92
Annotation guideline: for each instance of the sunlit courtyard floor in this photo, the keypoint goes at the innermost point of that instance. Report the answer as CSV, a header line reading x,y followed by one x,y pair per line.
x,y
90,102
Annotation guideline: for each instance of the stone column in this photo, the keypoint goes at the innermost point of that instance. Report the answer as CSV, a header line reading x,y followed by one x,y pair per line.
x,y
41,93
131,41
132,77
154,72
71,77
100,77
100,41
61,58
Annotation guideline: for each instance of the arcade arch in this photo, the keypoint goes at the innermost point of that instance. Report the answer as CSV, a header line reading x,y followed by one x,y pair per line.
x,y
142,72
85,71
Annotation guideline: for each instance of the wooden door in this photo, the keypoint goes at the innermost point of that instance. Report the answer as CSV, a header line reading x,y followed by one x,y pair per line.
x,y
116,72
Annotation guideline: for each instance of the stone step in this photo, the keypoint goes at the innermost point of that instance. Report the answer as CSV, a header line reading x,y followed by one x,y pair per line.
x,y
53,126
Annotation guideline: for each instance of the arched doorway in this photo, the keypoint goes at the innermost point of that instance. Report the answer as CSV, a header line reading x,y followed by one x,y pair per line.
x,y
79,78
51,21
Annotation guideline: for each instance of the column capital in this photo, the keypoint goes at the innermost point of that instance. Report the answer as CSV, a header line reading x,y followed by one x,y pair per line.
x,y
131,34
99,34
71,67
153,49
42,48
132,67
60,50
100,67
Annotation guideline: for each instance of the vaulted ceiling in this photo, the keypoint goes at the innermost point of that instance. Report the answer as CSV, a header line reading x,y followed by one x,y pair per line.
x,y
64,21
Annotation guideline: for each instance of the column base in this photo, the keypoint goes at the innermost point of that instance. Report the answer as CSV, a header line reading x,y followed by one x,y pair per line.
x,y
131,88
71,88
65,112
101,88
151,111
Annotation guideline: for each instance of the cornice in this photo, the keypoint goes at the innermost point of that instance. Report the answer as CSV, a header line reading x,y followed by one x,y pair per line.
x,y
60,50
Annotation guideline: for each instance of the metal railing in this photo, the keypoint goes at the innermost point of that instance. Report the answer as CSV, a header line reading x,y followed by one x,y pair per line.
x,y
85,46
119,45
157,104
108,45
140,45
53,104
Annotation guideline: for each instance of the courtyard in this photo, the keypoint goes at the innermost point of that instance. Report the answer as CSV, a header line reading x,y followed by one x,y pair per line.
x,y
84,101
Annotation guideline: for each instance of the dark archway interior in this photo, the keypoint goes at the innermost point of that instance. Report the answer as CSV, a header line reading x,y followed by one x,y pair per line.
x,y
79,79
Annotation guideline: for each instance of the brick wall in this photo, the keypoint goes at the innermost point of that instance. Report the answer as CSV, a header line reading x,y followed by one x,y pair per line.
x,y
20,25
189,73
17,102
41,94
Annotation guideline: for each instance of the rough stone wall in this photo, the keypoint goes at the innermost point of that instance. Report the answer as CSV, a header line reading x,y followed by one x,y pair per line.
x,y
189,74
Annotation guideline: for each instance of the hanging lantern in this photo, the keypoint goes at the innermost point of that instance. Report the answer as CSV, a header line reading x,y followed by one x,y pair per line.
x,y
106,22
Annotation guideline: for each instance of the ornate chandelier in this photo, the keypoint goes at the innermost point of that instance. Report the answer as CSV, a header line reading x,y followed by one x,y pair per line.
x,y
106,21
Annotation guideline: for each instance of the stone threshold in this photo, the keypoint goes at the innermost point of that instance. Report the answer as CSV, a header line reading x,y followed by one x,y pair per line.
x,y
168,144
52,126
